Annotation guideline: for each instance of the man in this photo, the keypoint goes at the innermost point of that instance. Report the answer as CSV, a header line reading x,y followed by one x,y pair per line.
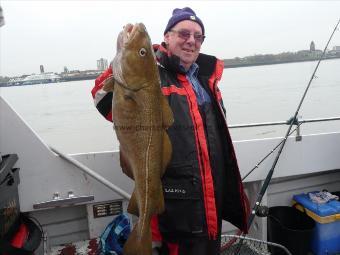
x,y
202,184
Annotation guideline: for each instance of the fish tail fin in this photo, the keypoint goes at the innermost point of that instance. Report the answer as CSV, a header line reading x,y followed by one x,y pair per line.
x,y
138,244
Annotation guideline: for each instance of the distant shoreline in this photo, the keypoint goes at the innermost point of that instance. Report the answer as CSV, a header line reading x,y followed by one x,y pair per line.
x,y
226,65
81,77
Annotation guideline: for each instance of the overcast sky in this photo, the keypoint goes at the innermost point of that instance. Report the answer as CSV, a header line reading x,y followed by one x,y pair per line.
x,y
77,33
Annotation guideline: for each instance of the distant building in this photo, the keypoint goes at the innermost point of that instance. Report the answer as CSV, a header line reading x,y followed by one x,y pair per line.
x,y
312,46
2,19
42,69
102,64
336,48
304,53
335,51
65,69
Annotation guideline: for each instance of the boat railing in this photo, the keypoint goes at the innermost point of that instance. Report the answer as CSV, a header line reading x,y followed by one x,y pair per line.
x,y
92,173
126,195
287,122
297,122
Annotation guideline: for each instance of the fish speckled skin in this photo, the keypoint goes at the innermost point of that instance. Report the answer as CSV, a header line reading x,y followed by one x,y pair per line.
x,y
141,115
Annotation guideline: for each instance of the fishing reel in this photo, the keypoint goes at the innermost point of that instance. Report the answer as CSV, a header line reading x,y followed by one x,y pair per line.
x,y
262,211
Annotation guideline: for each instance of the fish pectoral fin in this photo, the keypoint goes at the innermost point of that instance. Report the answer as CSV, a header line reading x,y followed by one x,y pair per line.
x,y
133,206
125,165
168,117
109,84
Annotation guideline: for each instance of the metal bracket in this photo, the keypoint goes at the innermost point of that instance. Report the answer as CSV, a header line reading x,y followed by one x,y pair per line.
x,y
295,122
57,201
298,136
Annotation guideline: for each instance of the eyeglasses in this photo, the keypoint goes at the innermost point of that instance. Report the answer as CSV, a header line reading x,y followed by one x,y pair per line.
x,y
185,35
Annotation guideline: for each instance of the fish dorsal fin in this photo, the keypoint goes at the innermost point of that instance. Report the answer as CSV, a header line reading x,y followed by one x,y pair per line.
x,y
109,84
168,117
167,151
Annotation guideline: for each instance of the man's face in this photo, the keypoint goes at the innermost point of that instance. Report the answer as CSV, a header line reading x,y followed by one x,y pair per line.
x,y
180,44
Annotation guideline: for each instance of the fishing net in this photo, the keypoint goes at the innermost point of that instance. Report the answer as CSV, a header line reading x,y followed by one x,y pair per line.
x,y
235,244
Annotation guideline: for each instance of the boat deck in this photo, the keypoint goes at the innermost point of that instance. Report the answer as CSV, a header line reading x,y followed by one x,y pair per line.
x,y
86,247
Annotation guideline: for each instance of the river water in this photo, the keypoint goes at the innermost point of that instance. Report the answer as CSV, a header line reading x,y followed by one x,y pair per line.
x,y
63,114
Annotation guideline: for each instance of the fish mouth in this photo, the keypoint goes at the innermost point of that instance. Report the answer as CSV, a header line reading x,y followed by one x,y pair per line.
x,y
131,31
129,38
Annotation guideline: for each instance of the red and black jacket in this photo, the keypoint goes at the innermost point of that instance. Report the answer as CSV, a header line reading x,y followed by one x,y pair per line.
x,y
198,190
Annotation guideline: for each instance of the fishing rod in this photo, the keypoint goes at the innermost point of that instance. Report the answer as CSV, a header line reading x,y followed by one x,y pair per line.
x,y
234,239
270,153
298,123
271,171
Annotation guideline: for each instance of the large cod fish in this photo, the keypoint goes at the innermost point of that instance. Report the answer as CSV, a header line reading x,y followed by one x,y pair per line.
x,y
141,115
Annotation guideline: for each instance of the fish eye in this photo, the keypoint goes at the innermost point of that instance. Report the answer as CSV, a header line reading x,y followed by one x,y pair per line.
x,y
142,52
